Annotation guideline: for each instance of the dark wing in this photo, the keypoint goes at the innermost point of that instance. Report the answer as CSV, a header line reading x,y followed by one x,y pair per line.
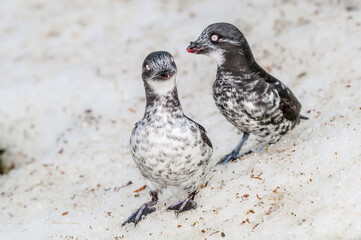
x,y
290,110
203,133
289,104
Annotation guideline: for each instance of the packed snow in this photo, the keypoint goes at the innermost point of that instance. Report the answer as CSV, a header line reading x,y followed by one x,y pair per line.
x,y
71,92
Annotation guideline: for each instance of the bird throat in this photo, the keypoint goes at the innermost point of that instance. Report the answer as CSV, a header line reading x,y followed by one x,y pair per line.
x,y
168,100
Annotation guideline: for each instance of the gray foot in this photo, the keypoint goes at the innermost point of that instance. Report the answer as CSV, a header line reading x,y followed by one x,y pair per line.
x,y
144,210
233,156
184,205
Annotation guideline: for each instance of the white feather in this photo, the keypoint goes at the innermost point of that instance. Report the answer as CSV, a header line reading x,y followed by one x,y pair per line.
x,y
162,87
218,56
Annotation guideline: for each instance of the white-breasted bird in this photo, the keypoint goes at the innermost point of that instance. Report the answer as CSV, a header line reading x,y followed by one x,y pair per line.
x,y
169,148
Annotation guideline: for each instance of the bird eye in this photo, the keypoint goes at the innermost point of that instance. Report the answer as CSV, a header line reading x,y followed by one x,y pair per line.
x,y
147,67
214,38
171,59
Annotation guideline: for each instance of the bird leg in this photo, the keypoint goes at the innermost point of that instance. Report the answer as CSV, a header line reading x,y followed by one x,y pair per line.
x,y
234,155
144,210
184,205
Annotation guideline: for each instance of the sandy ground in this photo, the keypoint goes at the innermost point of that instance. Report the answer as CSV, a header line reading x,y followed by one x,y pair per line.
x,y
71,92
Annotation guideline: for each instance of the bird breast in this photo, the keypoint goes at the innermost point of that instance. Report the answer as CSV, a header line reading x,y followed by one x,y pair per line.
x,y
167,150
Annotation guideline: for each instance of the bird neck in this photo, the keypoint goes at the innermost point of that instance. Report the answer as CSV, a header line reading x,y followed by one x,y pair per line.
x,y
168,100
239,59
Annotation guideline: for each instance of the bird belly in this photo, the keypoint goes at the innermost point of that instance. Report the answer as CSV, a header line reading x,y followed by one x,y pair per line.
x,y
168,155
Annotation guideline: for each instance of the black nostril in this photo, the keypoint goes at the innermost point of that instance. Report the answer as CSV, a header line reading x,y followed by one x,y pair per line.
x,y
193,45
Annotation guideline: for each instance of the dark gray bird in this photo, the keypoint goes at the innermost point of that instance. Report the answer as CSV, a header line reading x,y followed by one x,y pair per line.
x,y
249,97
169,148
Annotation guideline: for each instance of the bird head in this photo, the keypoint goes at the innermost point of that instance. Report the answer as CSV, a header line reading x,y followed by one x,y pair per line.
x,y
216,40
159,71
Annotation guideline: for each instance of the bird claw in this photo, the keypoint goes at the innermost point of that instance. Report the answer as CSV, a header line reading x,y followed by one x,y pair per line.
x,y
144,210
233,156
183,206
229,158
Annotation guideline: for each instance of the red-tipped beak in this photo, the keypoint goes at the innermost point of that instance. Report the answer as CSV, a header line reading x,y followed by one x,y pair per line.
x,y
189,50
193,47
166,74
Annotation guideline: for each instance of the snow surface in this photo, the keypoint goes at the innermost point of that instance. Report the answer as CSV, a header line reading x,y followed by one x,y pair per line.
x,y
71,92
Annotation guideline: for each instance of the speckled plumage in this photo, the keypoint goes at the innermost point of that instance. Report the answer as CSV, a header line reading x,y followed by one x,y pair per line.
x,y
169,148
250,98
254,106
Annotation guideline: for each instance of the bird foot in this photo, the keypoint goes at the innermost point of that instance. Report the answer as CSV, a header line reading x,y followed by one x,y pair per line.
x,y
184,205
144,210
230,157
233,156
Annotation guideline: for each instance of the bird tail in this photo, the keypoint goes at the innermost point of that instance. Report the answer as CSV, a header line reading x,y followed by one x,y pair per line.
x,y
303,117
